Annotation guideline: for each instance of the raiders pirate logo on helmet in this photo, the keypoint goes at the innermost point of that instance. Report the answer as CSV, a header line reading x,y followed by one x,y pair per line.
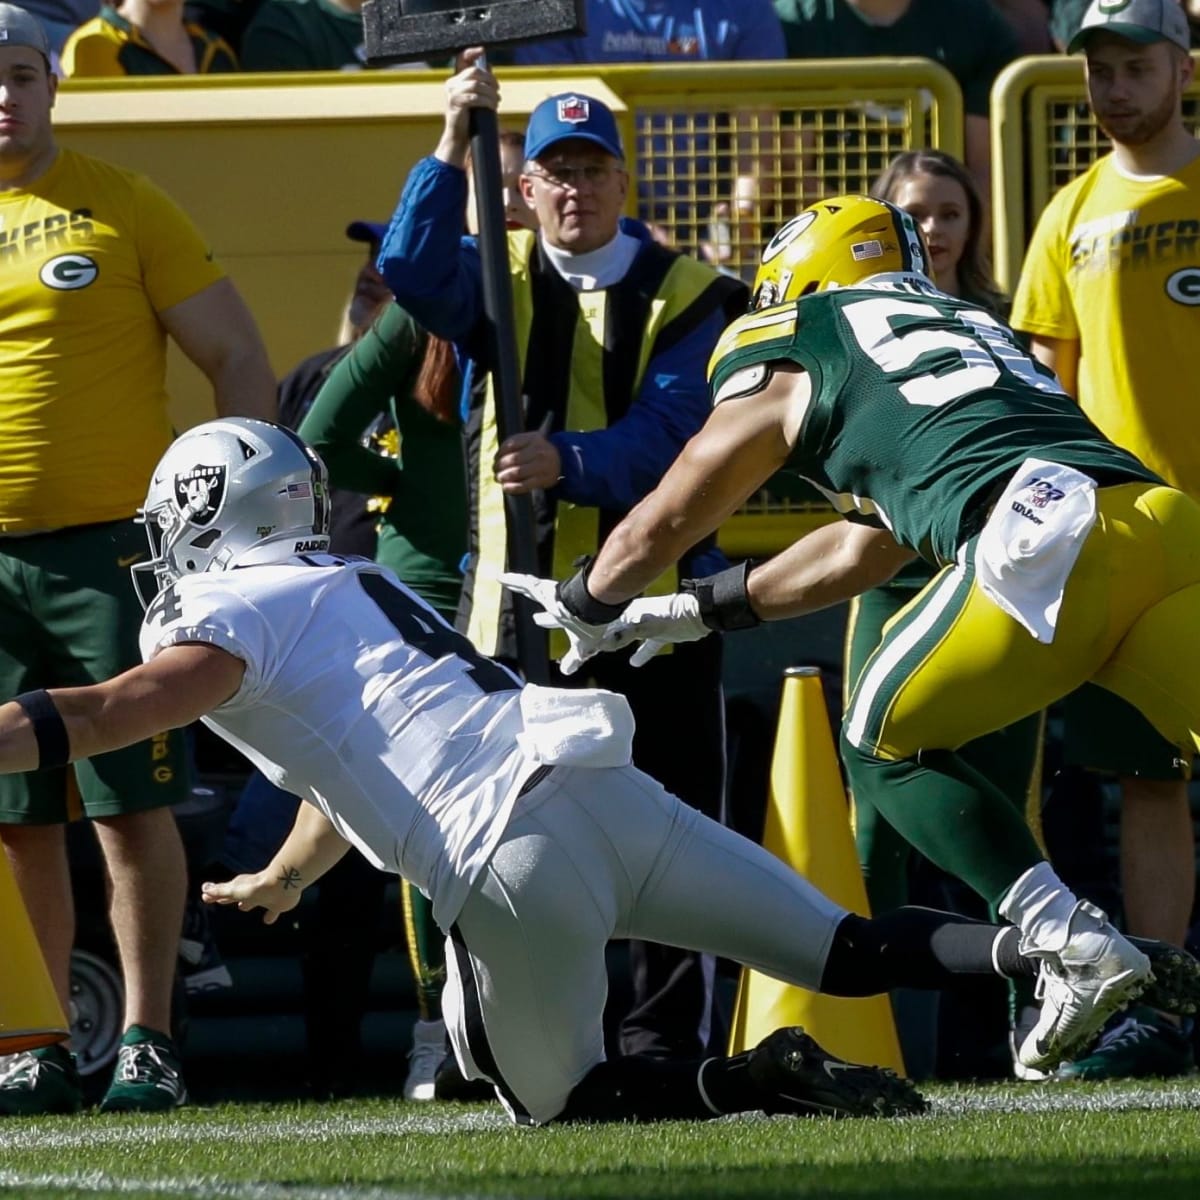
x,y
199,493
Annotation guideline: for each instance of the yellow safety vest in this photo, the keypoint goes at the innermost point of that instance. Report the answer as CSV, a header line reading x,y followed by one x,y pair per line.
x,y
600,383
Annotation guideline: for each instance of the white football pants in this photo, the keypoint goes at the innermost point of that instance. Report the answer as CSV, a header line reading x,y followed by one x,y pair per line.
x,y
592,855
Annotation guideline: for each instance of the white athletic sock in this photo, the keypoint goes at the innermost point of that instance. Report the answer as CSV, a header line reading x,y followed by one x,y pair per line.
x,y
1041,904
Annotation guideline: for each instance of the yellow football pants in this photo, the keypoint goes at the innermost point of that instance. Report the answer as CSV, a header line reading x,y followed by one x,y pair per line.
x,y
952,665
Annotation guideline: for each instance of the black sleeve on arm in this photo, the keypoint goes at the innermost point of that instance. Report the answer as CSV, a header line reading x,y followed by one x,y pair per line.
x,y
54,746
574,596
724,602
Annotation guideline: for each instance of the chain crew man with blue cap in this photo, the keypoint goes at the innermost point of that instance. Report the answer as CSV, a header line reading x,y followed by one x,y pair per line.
x,y
613,333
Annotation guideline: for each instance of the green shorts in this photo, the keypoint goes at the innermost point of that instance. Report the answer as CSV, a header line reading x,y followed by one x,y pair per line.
x,y
1103,732
69,616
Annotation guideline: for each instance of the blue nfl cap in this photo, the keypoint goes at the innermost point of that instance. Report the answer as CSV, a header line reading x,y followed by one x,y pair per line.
x,y
571,115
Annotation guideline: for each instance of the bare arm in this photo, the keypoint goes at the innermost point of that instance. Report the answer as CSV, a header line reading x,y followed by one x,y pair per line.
x,y
311,848
831,564
741,445
177,686
1061,355
216,330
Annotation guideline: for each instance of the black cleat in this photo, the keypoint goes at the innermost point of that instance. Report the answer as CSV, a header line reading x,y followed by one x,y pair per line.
x,y
796,1076
1176,985
449,1083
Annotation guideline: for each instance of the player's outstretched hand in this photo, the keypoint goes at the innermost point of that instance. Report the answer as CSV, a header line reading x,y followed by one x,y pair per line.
x,y
656,621
584,638
259,890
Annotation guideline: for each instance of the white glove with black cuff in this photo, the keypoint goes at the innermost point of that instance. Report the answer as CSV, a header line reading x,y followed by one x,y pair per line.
x,y
717,602
656,621
556,599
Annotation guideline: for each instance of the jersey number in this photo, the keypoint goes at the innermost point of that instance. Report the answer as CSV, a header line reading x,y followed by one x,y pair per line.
x,y
969,362
432,636
165,607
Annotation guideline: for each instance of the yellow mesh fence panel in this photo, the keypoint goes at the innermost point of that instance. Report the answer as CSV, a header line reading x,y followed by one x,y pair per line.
x,y
719,181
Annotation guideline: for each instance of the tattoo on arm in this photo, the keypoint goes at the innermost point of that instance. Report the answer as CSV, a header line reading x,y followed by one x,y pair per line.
x,y
289,877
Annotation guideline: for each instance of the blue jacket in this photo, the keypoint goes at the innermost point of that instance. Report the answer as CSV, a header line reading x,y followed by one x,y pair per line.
x,y
436,274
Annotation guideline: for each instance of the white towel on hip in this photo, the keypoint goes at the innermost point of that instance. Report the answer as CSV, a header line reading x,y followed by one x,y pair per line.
x,y
576,727
1031,541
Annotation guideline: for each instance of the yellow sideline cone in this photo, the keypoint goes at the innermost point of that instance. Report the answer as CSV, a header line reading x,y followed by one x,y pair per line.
x,y
808,827
30,1014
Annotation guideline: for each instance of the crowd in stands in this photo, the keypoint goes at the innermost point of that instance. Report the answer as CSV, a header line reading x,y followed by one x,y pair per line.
x,y
974,39
402,412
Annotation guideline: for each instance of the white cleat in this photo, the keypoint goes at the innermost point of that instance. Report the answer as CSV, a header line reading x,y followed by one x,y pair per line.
x,y
428,1050
1081,984
1027,1018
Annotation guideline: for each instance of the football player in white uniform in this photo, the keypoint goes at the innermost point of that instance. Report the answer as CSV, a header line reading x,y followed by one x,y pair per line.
x,y
515,809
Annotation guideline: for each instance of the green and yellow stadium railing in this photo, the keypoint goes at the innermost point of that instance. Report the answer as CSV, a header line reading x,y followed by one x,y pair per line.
x,y
1043,136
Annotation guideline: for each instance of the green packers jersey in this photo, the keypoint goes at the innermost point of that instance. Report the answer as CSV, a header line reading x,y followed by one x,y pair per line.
x,y
921,405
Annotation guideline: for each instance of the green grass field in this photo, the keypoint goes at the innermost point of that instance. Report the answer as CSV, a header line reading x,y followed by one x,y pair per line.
x,y
1036,1142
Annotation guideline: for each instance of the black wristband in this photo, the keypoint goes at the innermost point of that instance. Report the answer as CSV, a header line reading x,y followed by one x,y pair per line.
x,y
724,604
54,747
574,596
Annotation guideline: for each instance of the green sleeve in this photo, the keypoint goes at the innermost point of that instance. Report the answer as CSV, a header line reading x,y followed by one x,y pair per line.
x,y
383,363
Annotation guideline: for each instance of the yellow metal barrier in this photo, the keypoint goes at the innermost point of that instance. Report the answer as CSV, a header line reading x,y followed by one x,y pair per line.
x,y
1043,136
719,177
273,167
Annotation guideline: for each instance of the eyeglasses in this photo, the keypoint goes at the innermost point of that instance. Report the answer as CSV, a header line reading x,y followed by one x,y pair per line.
x,y
574,175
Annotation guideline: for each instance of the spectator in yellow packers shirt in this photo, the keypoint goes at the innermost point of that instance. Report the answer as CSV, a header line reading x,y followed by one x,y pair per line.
x,y
101,269
145,37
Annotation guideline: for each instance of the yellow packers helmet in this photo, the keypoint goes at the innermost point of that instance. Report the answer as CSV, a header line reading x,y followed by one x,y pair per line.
x,y
835,243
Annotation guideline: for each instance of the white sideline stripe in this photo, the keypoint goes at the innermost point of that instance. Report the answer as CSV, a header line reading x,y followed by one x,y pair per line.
x,y
120,1132
1064,1097
208,1189
868,688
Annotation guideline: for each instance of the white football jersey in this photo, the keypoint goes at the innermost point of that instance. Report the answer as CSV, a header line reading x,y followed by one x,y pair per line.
x,y
357,694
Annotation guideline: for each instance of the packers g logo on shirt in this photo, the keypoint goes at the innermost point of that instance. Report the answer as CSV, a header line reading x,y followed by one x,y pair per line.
x,y
1184,286
69,272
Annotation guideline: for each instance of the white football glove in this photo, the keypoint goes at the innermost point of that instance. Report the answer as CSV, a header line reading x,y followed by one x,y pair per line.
x,y
583,637
656,621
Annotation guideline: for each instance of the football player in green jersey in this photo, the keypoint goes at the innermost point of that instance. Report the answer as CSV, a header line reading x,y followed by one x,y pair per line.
x,y
1063,558
938,192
